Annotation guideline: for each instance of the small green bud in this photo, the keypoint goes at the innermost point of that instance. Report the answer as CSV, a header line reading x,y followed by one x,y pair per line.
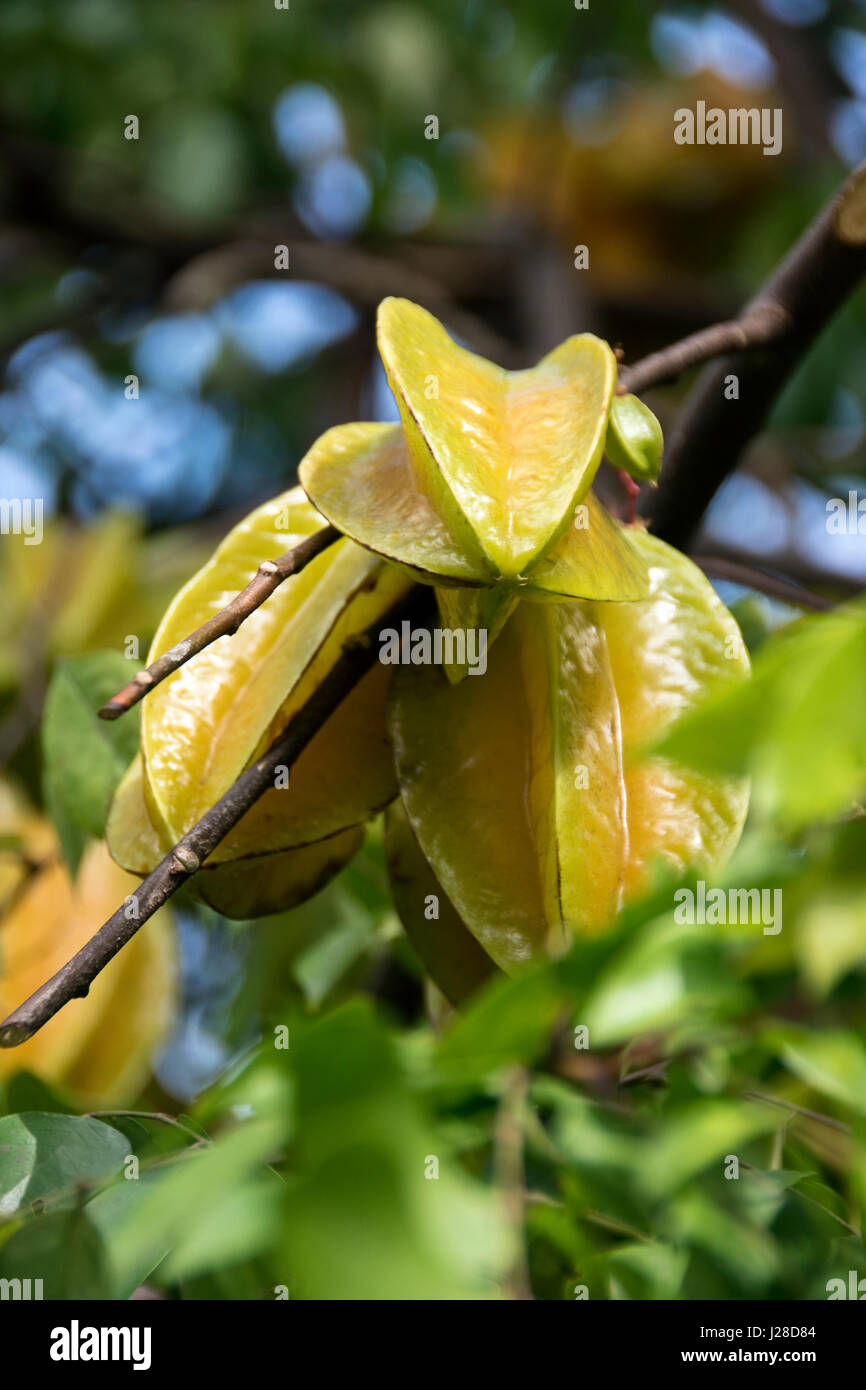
x,y
634,439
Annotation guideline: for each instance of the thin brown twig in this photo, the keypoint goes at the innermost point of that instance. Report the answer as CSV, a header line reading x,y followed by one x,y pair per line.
x,y
268,577
763,323
161,1115
790,564
190,270
73,981
770,584
613,1223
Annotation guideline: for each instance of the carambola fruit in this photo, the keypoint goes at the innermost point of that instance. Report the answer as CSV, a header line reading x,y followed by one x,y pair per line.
x,y
529,811
213,717
486,481
526,789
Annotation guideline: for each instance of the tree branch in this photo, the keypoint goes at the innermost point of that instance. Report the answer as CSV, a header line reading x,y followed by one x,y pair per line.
x,y
73,981
795,570
760,325
809,285
717,567
268,577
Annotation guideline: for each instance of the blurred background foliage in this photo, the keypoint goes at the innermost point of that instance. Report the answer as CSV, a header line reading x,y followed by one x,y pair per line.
x,y
160,378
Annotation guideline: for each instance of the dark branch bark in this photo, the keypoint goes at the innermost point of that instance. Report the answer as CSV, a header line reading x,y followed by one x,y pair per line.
x,y
269,576
809,285
794,569
717,567
75,978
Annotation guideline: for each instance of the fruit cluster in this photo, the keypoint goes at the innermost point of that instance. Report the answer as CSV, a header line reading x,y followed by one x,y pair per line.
x,y
523,806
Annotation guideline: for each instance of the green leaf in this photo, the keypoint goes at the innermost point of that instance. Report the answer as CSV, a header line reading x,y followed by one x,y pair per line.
x,y
510,1021
328,959
381,1207
797,727
44,1156
84,757
831,936
697,1135
648,1270
669,974
834,1212
746,1253
761,1192
832,1063
64,1250
592,1139
168,1214
27,1091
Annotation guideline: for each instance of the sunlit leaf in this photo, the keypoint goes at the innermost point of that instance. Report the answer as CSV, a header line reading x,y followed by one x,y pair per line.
x,y
797,727
833,1063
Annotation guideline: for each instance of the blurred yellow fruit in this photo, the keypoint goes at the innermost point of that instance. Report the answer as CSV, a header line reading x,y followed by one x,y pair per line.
x,y
645,206
100,1047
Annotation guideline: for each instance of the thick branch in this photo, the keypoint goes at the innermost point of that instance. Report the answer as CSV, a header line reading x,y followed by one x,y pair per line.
x,y
75,978
269,576
810,284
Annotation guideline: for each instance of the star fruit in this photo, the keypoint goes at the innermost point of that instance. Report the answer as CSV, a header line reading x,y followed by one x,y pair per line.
x,y
483,489
527,791
210,720
528,811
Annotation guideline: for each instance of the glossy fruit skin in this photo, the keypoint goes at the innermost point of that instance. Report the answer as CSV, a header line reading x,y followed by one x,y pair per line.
x,y
486,481
361,478
211,719
526,789
251,885
450,953
504,457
